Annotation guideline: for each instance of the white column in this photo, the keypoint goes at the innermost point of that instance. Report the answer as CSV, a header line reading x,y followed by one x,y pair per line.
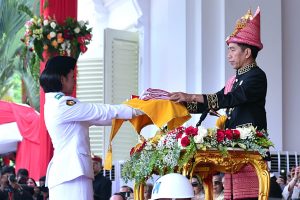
x,y
290,72
168,45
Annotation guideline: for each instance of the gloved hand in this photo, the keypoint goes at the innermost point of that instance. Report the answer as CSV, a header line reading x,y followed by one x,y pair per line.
x,y
137,112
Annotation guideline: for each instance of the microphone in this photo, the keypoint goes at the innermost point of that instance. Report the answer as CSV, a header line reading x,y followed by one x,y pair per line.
x,y
202,117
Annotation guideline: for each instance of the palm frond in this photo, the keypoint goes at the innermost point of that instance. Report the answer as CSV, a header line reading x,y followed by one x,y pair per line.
x,y
12,22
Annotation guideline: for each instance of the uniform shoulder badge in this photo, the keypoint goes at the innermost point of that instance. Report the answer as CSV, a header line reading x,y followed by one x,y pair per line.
x,y
70,102
58,96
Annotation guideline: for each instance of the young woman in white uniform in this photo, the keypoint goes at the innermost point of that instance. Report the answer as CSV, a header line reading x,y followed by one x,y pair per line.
x,y
70,172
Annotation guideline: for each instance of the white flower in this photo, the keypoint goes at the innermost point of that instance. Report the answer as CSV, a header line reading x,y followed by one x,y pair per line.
x,y
63,46
52,34
77,30
68,52
81,23
202,133
161,143
53,25
245,133
46,22
148,146
28,24
68,44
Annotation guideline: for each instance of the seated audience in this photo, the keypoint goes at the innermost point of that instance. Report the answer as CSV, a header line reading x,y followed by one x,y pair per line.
x,y
292,189
118,196
198,188
218,189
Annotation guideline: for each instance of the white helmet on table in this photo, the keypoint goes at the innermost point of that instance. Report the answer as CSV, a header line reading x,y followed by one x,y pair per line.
x,y
172,186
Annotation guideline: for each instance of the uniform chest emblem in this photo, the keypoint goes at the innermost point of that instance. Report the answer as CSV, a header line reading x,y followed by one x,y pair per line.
x,y
58,96
70,102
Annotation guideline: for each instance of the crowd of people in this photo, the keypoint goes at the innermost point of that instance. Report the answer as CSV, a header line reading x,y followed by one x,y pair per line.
x,y
20,186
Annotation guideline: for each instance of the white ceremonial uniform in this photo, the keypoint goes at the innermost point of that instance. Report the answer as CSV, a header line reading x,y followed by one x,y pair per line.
x,y
67,121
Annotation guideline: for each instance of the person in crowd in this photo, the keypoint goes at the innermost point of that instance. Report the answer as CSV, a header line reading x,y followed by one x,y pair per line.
x,y
4,186
172,186
243,97
292,189
22,176
218,189
118,196
44,190
281,180
8,170
68,121
126,191
101,184
147,191
42,181
275,189
36,191
18,191
31,182
198,188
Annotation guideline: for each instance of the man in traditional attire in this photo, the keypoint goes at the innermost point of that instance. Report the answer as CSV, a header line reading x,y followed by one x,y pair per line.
x,y
70,171
243,97
101,184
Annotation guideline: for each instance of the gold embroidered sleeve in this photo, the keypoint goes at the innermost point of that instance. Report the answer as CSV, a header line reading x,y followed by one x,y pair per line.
x,y
212,100
194,107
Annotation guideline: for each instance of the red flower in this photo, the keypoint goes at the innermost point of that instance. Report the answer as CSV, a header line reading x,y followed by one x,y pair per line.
x,y
191,131
67,35
185,141
180,129
141,147
259,134
81,40
171,132
83,48
220,135
132,151
236,134
88,36
179,135
228,134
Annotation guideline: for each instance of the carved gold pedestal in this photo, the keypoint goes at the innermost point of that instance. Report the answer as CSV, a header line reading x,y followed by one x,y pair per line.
x,y
209,162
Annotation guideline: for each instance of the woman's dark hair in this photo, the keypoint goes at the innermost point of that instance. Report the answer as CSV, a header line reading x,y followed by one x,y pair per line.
x,y
254,50
32,181
58,66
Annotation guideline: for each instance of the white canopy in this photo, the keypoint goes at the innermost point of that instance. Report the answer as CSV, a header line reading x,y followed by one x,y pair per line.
x,y
9,137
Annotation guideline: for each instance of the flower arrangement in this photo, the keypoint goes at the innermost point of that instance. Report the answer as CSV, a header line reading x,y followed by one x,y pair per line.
x,y
168,150
68,39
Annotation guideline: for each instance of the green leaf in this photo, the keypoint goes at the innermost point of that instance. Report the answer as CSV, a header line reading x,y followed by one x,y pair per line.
x,y
243,146
38,48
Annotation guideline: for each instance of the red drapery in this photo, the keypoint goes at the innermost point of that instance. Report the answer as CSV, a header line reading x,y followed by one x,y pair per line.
x,y
60,10
27,120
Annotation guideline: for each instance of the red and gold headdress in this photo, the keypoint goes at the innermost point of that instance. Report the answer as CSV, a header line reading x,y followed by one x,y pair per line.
x,y
247,30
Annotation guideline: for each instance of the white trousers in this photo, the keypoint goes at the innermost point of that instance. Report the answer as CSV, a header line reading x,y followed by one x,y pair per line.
x,y
80,188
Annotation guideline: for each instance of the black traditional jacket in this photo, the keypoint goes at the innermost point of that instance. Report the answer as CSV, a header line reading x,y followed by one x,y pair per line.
x,y
102,187
245,104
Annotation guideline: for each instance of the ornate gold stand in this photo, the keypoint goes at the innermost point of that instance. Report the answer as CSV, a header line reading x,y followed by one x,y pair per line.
x,y
209,162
